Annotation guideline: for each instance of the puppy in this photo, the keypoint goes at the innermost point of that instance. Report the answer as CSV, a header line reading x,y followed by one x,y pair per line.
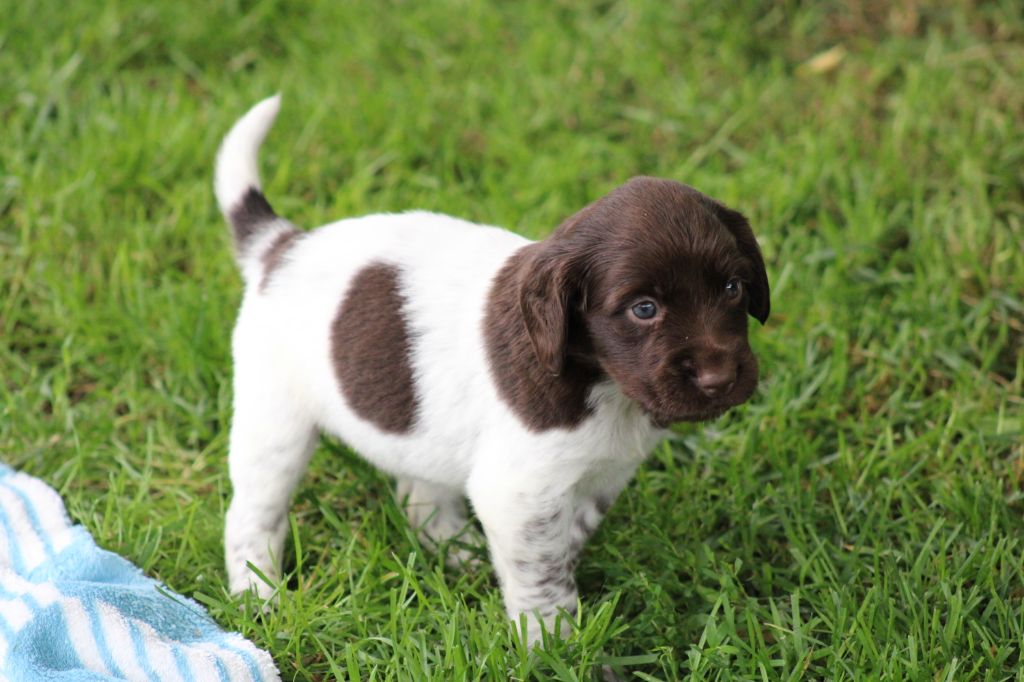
x,y
468,361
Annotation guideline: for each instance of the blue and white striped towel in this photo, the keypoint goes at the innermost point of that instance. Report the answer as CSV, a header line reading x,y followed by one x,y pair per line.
x,y
72,611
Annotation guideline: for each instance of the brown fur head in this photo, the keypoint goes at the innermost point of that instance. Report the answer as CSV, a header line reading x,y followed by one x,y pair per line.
x,y
651,286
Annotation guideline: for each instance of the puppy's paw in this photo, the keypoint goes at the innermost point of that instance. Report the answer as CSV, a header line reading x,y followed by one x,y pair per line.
x,y
252,580
466,551
538,626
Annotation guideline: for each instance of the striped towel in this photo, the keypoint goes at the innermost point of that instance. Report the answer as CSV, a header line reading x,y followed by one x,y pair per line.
x,y
72,611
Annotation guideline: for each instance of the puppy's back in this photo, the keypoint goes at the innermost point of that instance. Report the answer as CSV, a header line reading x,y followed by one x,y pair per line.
x,y
364,318
360,320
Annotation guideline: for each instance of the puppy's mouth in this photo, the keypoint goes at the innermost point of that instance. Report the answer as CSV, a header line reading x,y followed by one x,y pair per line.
x,y
663,420
685,404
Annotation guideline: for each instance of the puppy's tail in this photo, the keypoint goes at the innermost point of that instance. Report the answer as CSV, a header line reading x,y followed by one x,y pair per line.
x,y
237,185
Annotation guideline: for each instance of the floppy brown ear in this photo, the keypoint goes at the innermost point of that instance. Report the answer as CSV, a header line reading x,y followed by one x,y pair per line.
x,y
760,297
544,295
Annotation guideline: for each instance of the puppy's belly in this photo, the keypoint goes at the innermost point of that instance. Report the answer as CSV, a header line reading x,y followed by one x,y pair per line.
x,y
429,457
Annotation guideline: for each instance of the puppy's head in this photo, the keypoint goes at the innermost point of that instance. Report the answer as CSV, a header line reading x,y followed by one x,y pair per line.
x,y
652,285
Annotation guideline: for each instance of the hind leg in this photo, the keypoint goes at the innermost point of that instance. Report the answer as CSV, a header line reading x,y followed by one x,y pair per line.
x,y
439,514
270,447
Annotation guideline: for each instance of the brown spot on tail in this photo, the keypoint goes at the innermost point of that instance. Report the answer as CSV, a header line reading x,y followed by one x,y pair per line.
x,y
249,217
371,350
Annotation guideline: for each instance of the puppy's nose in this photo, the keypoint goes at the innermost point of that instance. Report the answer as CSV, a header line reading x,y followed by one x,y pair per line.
x,y
714,381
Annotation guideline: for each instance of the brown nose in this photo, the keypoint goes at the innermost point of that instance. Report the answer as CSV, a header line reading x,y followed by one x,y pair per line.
x,y
714,381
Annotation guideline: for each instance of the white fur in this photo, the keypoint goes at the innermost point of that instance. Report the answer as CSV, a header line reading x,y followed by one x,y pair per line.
x,y
236,161
466,440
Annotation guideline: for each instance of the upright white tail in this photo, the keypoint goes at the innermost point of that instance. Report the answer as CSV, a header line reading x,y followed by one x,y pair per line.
x,y
237,179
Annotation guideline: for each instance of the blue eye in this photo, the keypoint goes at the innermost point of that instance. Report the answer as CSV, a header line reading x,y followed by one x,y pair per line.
x,y
645,310
733,288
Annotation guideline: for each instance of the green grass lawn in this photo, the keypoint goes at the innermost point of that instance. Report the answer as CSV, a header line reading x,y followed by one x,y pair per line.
x,y
861,518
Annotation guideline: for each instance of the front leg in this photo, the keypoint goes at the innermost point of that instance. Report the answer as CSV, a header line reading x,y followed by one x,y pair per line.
x,y
530,535
589,513
438,513
537,512
594,497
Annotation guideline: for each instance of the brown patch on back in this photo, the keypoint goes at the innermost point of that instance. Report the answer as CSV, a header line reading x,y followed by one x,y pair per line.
x,y
275,253
539,398
370,350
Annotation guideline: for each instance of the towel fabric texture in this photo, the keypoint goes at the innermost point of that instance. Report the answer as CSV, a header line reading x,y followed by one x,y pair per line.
x,y
71,611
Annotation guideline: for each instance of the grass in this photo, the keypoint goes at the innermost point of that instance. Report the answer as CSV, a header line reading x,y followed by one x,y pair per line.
x,y
861,518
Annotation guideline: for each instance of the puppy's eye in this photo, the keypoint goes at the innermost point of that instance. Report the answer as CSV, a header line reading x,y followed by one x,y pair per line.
x,y
733,288
645,310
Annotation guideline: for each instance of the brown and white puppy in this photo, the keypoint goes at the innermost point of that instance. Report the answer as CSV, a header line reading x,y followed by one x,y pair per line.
x,y
467,361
